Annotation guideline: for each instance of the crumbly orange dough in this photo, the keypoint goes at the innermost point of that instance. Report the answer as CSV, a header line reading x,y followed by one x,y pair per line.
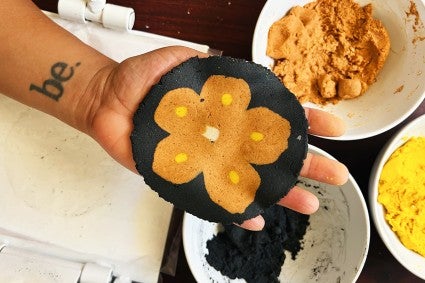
x,y
328,50
402,193
214,133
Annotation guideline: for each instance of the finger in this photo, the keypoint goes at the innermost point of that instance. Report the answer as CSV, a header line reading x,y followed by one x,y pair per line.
x,y
297,199
253,224
324,124
324,170
300,200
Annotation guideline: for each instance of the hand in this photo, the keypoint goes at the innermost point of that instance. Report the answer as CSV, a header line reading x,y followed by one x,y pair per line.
x,y
315,167
118,90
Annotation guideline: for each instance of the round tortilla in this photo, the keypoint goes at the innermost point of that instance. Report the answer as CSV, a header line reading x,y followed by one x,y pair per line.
x,y
190,194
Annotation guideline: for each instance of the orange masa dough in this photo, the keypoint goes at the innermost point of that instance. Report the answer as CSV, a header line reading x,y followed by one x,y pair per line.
x,y
402,193
328,50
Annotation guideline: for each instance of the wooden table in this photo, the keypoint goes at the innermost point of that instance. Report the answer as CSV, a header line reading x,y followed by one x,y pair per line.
x,y
229,26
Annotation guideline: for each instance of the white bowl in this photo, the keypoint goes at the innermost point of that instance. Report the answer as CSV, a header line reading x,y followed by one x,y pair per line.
x,y
400,86
334,247
409,259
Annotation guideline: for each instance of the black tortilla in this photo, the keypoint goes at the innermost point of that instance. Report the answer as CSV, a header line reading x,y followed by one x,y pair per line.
x,y
267,91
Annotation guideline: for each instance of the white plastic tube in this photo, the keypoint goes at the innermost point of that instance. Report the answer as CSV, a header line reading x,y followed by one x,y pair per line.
x,y
96,6
109,15
118,17
72,10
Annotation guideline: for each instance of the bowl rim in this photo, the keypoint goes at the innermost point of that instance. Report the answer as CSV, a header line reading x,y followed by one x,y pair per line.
x,y
365,215
382,157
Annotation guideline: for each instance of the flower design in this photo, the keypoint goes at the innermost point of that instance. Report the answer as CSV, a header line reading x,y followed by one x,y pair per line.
x,y
215,134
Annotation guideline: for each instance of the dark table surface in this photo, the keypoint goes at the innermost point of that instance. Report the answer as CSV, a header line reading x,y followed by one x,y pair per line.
x,y
229,26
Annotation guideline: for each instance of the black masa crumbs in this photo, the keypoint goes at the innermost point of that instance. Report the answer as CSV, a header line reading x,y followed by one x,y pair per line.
x,y
258,256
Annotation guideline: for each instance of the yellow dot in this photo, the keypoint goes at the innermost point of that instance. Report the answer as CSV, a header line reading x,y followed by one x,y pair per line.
x,y
234,177
256,136
181,157
226,99
181,111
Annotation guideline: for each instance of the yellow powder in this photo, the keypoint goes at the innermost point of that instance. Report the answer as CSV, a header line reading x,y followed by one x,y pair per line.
x,y
402,193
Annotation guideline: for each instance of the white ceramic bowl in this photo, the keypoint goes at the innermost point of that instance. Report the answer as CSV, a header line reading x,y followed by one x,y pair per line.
x,y
411,260
335,244
400,86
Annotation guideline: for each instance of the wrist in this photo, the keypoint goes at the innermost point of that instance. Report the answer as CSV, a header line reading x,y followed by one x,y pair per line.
x,y
47,68
87,104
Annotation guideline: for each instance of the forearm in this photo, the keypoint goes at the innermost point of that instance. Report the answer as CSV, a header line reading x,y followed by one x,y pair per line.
x,y
44,66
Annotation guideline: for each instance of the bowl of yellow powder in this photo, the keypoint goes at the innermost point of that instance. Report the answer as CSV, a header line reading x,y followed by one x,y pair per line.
x,y
397,196
360,60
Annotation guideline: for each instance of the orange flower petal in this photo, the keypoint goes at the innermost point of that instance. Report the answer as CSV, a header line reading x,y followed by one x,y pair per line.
x,y
225,98
179,111
179,159
231,184
265,137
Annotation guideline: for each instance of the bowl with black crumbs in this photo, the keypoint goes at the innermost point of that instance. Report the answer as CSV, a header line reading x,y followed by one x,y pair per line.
x,y
330,245
361,60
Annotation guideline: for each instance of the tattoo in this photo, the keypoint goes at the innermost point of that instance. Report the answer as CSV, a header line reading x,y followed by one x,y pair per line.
x,y
53,87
